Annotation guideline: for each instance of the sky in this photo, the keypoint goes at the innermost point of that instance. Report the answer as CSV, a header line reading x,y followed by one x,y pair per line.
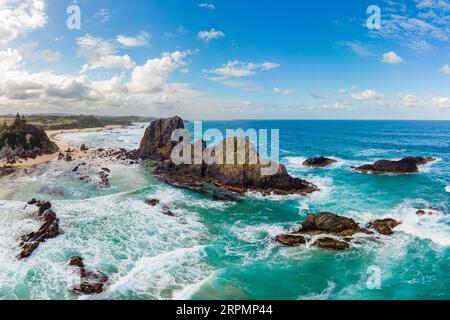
x,y
227,59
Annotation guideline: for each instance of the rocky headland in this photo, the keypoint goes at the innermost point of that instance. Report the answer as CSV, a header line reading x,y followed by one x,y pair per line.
x,y
23,140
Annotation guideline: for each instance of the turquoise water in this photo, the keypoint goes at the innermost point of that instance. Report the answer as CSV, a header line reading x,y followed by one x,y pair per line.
x,y
220,250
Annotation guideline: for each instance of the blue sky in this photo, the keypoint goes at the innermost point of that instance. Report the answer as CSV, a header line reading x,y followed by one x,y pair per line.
x,y
227,59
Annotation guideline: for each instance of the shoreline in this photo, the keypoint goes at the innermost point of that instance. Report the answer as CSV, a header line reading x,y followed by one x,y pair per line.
x,y
63,145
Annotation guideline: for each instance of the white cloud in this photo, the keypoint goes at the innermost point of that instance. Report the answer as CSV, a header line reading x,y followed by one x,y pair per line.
x,y
212,34
283,92
441,101
209,6
103,15
152,76
99,53
140,40
416,27
338,105
238,69
31,51
367,95
392,58
17,17
445,69
47,91
9,59
410,100
356,47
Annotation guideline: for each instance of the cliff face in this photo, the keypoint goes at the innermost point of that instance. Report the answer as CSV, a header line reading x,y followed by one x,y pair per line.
x,y
156,143
245,172
25,141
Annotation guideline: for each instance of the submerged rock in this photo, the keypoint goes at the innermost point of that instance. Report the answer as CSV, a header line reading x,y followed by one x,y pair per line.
x,y
384,226
104,180
290,240
168,212
319,162
90,282
403,166
330,243
430,211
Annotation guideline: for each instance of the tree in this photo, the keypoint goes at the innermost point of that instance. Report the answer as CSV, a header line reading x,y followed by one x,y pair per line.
x,y
17,121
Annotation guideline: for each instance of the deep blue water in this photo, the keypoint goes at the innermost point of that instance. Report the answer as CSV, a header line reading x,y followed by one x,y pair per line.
x,y
215,250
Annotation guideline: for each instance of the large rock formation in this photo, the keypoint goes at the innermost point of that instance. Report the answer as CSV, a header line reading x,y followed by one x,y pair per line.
x,y
157,141
403,166
245,172
319,162
24,141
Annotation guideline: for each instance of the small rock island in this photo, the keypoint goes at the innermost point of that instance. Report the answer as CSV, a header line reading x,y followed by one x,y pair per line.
x,y
403,166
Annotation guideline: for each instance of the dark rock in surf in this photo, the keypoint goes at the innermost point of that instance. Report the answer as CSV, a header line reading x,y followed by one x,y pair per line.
x,y
50,229
290,240
152,202
403,166
330,223
384,226
319,162
90,282
330,243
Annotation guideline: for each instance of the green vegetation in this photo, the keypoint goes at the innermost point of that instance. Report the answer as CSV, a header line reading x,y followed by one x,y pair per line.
x,y
64,122
15,135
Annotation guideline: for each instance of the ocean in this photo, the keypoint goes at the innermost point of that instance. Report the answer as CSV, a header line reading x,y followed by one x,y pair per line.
x,y
224,250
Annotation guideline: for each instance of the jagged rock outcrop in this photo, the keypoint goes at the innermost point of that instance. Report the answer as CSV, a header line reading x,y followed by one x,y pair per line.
x,y
403,166
157,141
319,162
50,229
330,223
330,231
244,173
89,282
25,141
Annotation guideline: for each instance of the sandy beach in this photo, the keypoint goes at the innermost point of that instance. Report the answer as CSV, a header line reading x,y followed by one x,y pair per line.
x,y
55,136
